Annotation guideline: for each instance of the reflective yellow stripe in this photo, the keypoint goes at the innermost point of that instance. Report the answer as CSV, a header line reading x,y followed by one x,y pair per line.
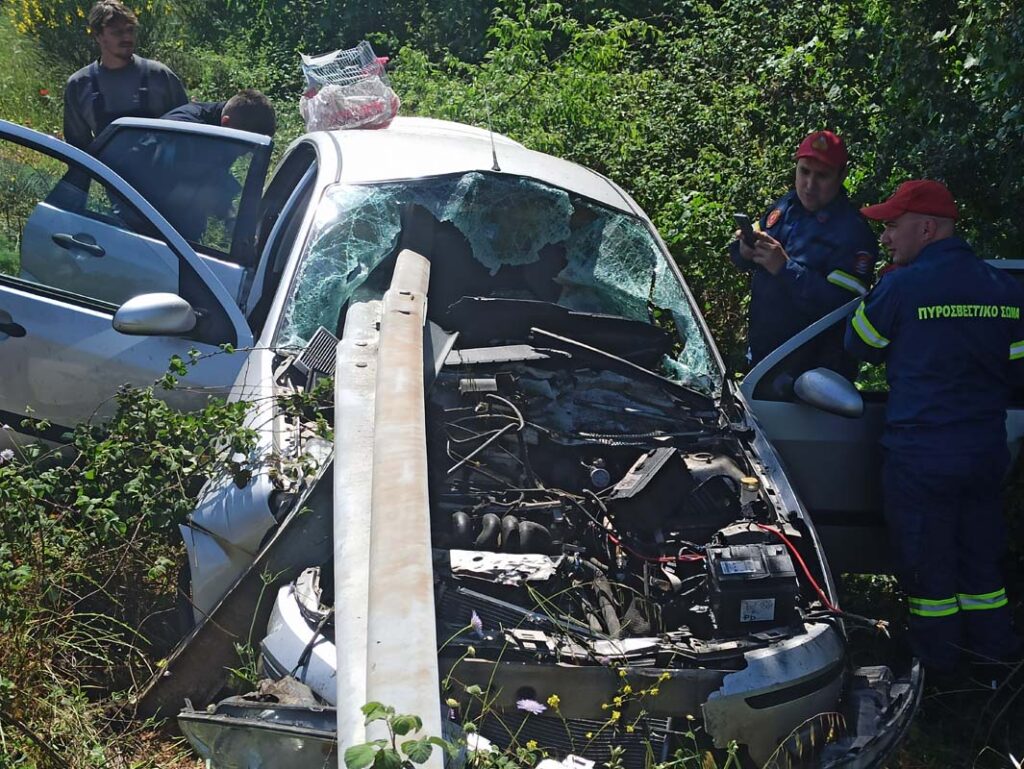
x,y
1017,350
868,333
847,281
994,600
929,607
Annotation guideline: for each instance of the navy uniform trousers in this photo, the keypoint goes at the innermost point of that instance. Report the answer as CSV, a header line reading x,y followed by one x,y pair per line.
x,y
945,517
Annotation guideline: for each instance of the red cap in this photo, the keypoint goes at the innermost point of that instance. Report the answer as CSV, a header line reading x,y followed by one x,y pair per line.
x,y
825,147
921,196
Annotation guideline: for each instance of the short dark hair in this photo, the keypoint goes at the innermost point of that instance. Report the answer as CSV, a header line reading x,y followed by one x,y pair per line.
x,y
108,11
250,110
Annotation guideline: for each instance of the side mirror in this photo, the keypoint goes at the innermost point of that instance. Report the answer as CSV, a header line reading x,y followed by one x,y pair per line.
x,y
826,390
155,315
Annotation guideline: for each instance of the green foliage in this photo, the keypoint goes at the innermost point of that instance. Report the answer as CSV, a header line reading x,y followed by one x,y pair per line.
x,y
30,91
61,26
89,560
388,753
698,115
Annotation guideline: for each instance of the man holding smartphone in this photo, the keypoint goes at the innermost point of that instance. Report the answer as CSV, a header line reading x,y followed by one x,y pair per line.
x,y
814,252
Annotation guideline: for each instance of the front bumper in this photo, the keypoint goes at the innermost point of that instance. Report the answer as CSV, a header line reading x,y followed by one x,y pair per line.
x,y
875,713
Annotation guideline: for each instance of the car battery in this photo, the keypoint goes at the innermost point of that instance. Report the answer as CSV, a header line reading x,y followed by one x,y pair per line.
x,y
751,587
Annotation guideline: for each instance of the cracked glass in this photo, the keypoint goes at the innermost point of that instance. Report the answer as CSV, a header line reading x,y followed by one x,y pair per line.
x,y
509,231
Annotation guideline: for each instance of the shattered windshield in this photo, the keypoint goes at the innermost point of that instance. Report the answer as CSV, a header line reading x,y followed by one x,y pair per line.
x,y
497,236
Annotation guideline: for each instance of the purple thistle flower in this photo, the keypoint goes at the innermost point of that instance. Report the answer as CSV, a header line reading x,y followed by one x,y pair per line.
x,y
477,624
531,706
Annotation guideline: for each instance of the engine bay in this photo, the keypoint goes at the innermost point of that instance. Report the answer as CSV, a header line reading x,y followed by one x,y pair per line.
x,y
580,497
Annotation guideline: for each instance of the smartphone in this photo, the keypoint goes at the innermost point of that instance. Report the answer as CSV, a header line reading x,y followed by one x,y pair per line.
x,y
746,229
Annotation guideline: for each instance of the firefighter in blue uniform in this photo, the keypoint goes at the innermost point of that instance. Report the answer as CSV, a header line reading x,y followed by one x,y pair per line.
x,y
950,331
814,252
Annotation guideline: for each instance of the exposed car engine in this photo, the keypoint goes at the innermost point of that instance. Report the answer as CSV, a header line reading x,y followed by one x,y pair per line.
x,y
588,513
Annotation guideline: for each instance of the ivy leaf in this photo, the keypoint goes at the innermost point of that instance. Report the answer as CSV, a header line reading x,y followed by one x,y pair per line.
x,y
387,758
448,747
417,751
375,711
360,756
405,724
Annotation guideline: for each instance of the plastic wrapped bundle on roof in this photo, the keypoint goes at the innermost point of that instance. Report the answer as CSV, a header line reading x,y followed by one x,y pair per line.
x,y
347,89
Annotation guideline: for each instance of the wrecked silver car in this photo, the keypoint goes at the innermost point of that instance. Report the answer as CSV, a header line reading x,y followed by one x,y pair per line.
x,y
551,511
548,513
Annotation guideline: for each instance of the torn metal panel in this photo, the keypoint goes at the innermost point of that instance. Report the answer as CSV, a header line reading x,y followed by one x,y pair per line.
x,y
504,568
354,394
198,667
401,653
799,678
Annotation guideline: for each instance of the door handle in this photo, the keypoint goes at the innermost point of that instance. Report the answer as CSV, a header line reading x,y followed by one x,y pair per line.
x,y
64,240
8,326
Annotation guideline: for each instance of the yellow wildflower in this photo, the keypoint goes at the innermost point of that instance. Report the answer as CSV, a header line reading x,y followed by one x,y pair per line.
x,y
554,702
531,744
627,689
630,729
615,716
653,691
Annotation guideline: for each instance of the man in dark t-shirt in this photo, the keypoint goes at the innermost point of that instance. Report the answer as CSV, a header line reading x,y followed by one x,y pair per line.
x,y
119,83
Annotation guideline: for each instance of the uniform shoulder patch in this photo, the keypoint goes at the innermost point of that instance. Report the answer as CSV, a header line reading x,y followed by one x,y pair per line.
x,y
773,217
863,261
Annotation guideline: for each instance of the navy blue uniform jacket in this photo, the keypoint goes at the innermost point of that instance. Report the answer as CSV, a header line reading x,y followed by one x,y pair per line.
x,y
832,255
949,329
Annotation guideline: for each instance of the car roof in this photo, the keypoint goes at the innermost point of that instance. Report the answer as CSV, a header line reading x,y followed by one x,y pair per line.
x,y
414,147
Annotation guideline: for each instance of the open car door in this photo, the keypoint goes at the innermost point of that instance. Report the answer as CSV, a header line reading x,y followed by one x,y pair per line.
x,y
206,181
97,290
834,461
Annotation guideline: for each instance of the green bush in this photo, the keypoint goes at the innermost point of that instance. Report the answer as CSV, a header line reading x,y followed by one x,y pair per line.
x,y
89,562
62,30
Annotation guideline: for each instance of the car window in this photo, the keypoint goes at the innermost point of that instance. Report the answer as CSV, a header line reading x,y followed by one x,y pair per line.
x,y
196,181
63,229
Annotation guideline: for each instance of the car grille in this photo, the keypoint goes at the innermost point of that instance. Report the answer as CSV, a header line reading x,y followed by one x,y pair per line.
x,y
570,736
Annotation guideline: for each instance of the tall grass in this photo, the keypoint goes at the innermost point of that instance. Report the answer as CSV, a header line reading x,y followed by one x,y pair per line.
x,y
31,90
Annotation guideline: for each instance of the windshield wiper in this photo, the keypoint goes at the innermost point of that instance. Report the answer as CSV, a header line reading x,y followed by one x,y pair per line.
x,y
481,321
